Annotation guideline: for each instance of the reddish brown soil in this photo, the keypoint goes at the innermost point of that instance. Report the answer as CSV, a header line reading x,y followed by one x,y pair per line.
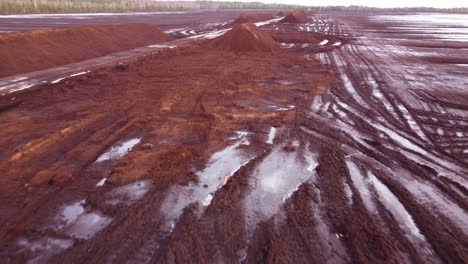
x,y
294,37
180,96
41,49
253,17
299,17
244,38
284,13
339,155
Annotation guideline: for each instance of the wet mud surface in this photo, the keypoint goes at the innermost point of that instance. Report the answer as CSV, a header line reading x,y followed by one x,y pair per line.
x,y
340,145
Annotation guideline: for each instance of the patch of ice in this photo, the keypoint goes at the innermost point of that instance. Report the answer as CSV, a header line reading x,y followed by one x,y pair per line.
x,y
18,86
361,184
101,182
88,224
69,76
440,131
283,108
263,23
287,45
392,203
69,214
348,85
323,42
221,166
172,30
44,248
336,44
459,134
411,122
240,135
433,198
316,103
275,179
162,46
271,135
348,192
377,93
130,193
210,35
118,151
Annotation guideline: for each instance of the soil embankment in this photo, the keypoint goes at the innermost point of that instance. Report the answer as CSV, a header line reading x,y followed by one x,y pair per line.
x,y
41,49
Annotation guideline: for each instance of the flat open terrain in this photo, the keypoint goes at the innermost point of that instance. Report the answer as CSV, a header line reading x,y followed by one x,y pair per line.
x,y
317,138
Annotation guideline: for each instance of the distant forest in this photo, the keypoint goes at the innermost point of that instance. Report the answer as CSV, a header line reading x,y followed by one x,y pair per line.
x,y
93,6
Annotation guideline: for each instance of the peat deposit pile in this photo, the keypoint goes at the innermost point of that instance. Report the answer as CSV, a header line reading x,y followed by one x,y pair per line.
x,y
244,38
253,17
299,17
305,140
41,49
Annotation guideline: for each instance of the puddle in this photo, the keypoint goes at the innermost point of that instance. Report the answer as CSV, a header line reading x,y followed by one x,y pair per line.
x,y
221,166
74,220
70,213
361,185
88,224
392,204
44,248
128,194
274,180
118,151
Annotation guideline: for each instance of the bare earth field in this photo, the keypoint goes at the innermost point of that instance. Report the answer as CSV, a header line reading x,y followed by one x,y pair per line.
x,y
315,138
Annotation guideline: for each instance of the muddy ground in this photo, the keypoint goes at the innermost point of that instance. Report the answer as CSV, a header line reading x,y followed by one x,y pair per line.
x,y
346,144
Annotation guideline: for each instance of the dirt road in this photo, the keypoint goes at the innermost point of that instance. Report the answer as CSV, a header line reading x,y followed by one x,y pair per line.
x,y
346,144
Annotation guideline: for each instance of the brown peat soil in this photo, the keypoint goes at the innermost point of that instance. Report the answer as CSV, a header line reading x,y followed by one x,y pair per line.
x,y
333,138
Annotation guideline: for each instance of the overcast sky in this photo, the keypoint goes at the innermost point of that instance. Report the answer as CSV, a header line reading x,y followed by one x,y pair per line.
x,y
376,3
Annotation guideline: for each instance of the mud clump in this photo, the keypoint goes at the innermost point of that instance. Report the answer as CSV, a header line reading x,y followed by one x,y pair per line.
x,y
42,49
244,38
253,17
296,18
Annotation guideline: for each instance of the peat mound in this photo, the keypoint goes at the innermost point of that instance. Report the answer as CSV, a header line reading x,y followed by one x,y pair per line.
x,y
284,13
295,17
244,38
253,17
42,49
